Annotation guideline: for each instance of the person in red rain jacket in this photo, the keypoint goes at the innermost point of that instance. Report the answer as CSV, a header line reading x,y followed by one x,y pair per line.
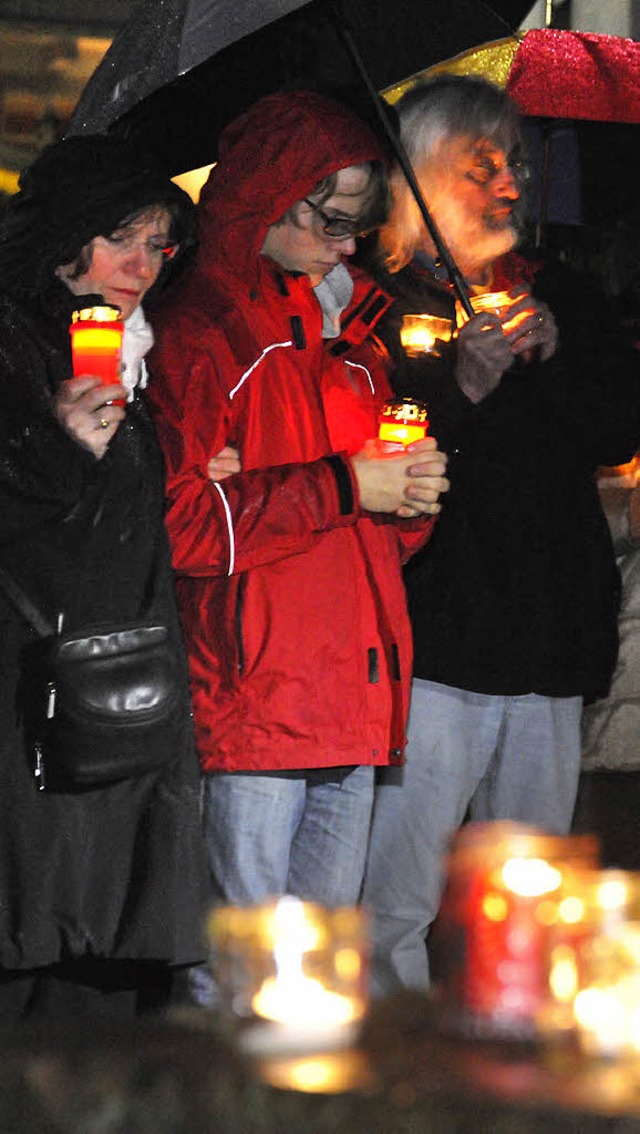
x,y
289,571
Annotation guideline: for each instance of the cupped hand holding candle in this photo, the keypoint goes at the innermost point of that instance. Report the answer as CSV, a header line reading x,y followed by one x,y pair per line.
x,y
507,326
407,483
89,406
520,315
483,357
89,411
518,306
531,329
510,307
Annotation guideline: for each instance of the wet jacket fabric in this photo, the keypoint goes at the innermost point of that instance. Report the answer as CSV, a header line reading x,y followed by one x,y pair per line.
x,y
118,871
291,597
519,590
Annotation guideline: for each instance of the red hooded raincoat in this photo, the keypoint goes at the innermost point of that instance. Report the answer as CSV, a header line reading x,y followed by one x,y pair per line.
x,y
292,599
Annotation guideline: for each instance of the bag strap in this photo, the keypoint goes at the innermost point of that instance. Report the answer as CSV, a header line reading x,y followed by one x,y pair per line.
x,y
24,605
36,619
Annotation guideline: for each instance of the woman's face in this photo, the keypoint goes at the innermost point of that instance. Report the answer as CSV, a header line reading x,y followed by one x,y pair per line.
x,y
124,265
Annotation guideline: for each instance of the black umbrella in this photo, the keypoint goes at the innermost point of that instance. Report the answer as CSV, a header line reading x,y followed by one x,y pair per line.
x,y
181,70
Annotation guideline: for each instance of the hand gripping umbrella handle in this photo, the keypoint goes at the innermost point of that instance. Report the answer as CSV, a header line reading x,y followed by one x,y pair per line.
x,y
455,275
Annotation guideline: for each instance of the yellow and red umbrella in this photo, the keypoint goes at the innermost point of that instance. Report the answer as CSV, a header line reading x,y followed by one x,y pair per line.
x,y
554,74
592,84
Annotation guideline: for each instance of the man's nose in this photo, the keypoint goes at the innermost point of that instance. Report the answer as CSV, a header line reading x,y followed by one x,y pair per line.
x,y
505,185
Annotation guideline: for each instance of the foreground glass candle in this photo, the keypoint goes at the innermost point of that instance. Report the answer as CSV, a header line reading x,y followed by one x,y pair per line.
x,y
296,965
595,961
96,343
421,334
504,884
403,421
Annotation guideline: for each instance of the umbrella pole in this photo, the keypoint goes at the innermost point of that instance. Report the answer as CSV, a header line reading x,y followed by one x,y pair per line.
x,y
455,275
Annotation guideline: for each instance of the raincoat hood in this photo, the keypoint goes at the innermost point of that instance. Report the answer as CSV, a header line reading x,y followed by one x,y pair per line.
x,y
271,157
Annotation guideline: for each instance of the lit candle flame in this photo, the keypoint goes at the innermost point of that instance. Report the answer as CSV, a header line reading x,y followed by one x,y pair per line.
x,y
291,997
419,333
530,877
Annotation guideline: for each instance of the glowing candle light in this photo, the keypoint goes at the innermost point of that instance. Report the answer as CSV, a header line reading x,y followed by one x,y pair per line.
x,y
498,303
291,997
402,422
595,960
504,885
420,334
606,997
295,971
96,343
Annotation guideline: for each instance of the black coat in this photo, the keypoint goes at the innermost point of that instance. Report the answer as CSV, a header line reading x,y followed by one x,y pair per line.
x,y
116,871
518,591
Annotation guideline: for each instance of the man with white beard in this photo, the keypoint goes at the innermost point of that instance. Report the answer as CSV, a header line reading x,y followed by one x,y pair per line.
x,y
514,602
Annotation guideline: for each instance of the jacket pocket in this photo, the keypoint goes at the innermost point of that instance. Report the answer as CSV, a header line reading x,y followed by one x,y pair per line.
x,y
237,625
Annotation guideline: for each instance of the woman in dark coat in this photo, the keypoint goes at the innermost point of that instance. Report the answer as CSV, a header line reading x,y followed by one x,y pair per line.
x,y
101,890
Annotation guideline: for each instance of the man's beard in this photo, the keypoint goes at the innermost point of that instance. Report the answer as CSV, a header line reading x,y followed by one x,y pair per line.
x,y
476,248
476,242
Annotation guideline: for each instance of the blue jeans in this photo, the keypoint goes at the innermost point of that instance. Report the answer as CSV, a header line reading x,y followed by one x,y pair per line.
x,y
498,757
269,835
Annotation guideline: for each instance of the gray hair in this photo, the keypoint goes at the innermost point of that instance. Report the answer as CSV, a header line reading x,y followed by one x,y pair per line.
x,y
447,107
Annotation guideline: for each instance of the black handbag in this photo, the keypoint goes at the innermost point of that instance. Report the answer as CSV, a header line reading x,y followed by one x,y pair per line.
x,y
111,702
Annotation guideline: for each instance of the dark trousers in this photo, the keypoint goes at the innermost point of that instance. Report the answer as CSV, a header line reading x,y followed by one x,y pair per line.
x,y
608,805
88,987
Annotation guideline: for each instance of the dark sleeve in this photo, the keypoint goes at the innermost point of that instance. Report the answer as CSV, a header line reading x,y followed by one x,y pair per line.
x,y
592,384
43,471
430,377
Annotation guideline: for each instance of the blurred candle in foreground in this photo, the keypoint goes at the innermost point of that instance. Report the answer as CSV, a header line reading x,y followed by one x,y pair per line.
x,y
607,1009
296,965
503,887
595,960
291,997
96,343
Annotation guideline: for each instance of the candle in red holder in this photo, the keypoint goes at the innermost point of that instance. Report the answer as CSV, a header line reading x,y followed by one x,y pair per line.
x,y
505,882
96,343
403,421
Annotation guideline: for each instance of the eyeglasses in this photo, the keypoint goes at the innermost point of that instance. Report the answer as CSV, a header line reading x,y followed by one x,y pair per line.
x,y
336,228
157,248
485,171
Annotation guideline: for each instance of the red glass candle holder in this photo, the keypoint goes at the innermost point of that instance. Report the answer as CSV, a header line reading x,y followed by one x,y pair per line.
x,y
403,421
96,343
492,952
